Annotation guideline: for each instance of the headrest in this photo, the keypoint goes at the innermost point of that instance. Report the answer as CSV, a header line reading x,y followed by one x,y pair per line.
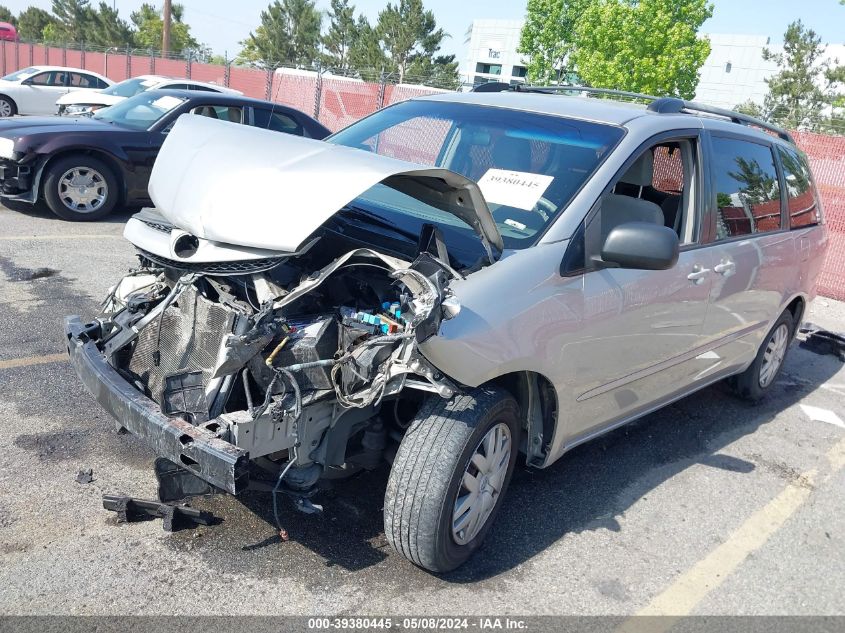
x,y
641,172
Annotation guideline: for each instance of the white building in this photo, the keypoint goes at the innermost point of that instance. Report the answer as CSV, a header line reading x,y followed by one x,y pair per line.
x,y
734,72
492,52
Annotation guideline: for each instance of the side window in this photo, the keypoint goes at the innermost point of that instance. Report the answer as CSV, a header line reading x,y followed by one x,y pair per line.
x,y
276,121
747,191
800,196
100,84
656,188
201,88
174,87
234,114
52,78
78,80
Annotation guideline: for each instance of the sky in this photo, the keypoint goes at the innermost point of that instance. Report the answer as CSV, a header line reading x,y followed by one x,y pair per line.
x,y
213,22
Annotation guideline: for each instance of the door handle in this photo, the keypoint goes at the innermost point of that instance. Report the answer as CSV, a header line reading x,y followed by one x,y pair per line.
x,y
698,274
726,268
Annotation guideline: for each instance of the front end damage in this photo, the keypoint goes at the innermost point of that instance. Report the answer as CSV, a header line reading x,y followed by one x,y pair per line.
x,y
256,347
227,364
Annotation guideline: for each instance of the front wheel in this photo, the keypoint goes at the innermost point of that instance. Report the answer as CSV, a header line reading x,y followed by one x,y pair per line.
x,y
754,382
7,107
449,477
80,188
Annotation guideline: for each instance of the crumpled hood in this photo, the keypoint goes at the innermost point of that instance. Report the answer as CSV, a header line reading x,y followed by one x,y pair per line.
x,y
88,97
236,184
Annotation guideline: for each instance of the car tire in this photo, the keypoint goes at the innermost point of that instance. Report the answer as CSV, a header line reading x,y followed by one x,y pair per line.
x,y
755,382
68,202
7,107
445,447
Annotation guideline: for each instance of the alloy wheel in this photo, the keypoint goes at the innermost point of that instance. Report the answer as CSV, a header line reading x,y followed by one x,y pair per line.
x,y
83,189
774,354
481,484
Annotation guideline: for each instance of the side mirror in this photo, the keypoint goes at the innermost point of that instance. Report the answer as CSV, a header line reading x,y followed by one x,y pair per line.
x,y
642,246
27,82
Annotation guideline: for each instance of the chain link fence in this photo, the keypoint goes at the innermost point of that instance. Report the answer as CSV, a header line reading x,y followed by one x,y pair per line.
x,y
336,101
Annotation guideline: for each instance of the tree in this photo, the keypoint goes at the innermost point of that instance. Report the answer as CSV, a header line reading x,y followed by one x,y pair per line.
x,y
548,38
440,71
751,108
647,46
366,55
149,26
289,34
107,29
341,35
72,21
407,33
805,87
31,23
6,15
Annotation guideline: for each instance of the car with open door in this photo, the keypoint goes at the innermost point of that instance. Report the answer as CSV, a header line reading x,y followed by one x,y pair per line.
x,y
449,285
82,167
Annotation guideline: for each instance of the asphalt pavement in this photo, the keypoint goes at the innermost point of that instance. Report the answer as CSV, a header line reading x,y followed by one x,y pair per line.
x,y
710,506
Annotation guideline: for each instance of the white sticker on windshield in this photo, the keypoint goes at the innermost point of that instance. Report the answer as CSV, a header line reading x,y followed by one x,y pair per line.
x,y
167,102
518,189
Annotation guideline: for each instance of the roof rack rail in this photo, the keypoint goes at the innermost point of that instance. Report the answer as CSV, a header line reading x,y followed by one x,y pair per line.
x,y
662,105
673,105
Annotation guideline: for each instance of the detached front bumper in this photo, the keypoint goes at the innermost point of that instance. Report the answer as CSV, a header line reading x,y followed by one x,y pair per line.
x,y
195,449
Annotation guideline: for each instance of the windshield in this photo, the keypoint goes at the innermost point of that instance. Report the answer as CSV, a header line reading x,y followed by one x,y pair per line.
x,y
130,87
527,165
21,74
141,111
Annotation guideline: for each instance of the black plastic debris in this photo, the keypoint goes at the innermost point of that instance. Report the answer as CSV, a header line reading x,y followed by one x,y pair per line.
x,y
176,483
822,341
85,476
130,509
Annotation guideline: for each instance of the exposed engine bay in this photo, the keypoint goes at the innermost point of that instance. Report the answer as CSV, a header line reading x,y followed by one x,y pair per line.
x,y
307,364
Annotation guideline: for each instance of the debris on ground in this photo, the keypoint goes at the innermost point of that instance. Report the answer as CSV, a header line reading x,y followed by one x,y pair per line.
x,y
822,341
85,476
131,509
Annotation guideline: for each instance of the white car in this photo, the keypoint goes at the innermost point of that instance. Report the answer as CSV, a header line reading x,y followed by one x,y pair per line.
x,y
84,101
34,90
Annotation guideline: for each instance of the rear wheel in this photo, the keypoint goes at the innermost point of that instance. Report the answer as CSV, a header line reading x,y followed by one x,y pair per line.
x,y
7,107
449,477
754,382
80,188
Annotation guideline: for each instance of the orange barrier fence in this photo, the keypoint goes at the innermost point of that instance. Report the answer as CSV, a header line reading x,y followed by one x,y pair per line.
x,y
338,101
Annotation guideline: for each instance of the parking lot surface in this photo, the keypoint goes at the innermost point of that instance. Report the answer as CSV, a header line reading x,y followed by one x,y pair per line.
x,y
710,506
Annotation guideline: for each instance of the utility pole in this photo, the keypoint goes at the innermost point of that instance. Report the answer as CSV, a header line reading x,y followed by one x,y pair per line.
x,y
165,31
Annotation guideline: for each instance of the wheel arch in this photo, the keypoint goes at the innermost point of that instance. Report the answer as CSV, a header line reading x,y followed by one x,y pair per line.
x,y
538,406
110,161
797,307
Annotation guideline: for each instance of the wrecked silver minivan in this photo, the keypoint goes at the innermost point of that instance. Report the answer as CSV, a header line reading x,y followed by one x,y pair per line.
x,y
305,310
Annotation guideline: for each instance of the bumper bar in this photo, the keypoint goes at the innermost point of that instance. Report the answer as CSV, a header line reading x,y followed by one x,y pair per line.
x,y
195,449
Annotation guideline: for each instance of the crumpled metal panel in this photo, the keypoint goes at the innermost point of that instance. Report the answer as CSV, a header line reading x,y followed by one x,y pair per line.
x,y
191,333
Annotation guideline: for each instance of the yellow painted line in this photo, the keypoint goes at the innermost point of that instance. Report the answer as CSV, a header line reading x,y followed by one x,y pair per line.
x,y
689,589
69,236
32,360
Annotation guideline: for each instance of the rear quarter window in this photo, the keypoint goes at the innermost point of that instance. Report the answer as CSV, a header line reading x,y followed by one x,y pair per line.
x,y
801,198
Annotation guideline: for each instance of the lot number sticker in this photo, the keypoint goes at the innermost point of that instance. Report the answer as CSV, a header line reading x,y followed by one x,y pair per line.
x,y
517,189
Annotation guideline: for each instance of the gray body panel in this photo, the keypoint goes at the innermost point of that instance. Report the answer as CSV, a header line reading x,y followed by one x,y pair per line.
x,y
617,344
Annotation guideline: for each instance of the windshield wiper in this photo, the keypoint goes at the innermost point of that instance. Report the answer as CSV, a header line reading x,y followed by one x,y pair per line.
x,y
377,220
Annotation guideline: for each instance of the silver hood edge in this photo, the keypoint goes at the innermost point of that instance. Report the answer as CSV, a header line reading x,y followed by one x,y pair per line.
x,y
236,184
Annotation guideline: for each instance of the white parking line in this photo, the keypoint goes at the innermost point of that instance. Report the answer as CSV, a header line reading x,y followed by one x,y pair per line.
x,y
691,587
24,238
32,360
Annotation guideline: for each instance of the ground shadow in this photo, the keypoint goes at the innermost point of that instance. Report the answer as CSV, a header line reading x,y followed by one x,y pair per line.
x,y
40,210
588,489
